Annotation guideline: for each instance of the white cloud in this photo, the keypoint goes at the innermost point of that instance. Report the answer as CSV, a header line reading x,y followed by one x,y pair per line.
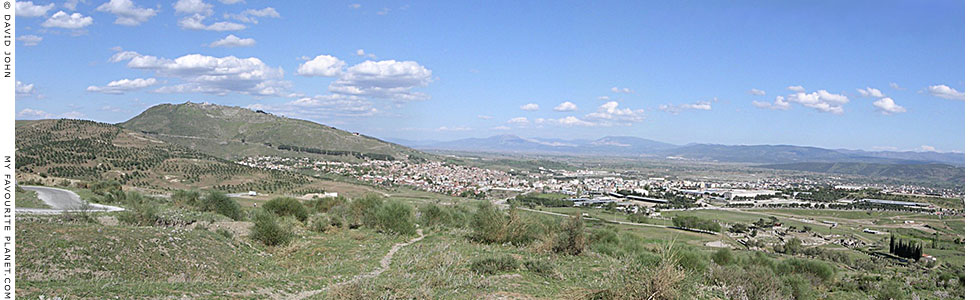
x,y
233,41
566,106
567,122
871,92
127,13
518,120
820,100
354,5
611,112
484,117
887,106
322,107
621,90
501,128
28,113
71,4
27,9
33,114
530,107
252,15
757,92
896,86
360,52
927,148
322,65
122,86
796,88
29,40
603,98
23,89
387,79
945,92
196,22
193,7
213,75
456,128
779,104
62,19
674,109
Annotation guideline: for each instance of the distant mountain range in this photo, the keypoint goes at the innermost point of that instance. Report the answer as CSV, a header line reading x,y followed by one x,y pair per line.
x,y
640,147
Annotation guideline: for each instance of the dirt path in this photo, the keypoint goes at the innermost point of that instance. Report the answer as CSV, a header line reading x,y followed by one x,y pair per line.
x,y
385,265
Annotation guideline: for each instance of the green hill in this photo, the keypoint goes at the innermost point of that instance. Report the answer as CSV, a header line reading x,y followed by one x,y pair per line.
x,y
234,132
92,151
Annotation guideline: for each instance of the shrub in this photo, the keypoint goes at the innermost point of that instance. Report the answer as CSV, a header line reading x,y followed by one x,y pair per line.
x,y
818,269
102,188
638,218
285,206
326,204
571,236
541,267
218,202
225,233
269,231
800,288
320,223
723,257
489,224
494,265
691,260
182,198
396,217
141,212
362,211
437,215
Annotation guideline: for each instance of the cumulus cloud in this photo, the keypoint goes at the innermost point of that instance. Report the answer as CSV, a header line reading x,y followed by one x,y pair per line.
x,y
566,106
196,22
28,9
675,109
127,13
887,106
361,52
252,15
926,148
530,107
871,92
896,86
29,40
621,90
193,7
945,92
610,112
71,4
62,19
779,104
208,74
387,79
322,107
796,88
122,86
518,120
820,100
322,65
568,121
33,114
233,41
23,89
757,92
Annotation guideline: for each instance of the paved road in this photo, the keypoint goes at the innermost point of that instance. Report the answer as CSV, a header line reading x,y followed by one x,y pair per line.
x,y
61,200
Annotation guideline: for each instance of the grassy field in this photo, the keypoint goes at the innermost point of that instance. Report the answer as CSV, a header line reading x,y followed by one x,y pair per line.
x,y
28,199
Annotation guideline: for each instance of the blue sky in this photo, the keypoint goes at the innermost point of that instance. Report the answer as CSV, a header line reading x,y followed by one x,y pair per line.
x,y
874,75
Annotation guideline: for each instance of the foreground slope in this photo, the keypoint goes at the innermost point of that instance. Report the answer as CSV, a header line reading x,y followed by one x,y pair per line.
x,y
233,132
